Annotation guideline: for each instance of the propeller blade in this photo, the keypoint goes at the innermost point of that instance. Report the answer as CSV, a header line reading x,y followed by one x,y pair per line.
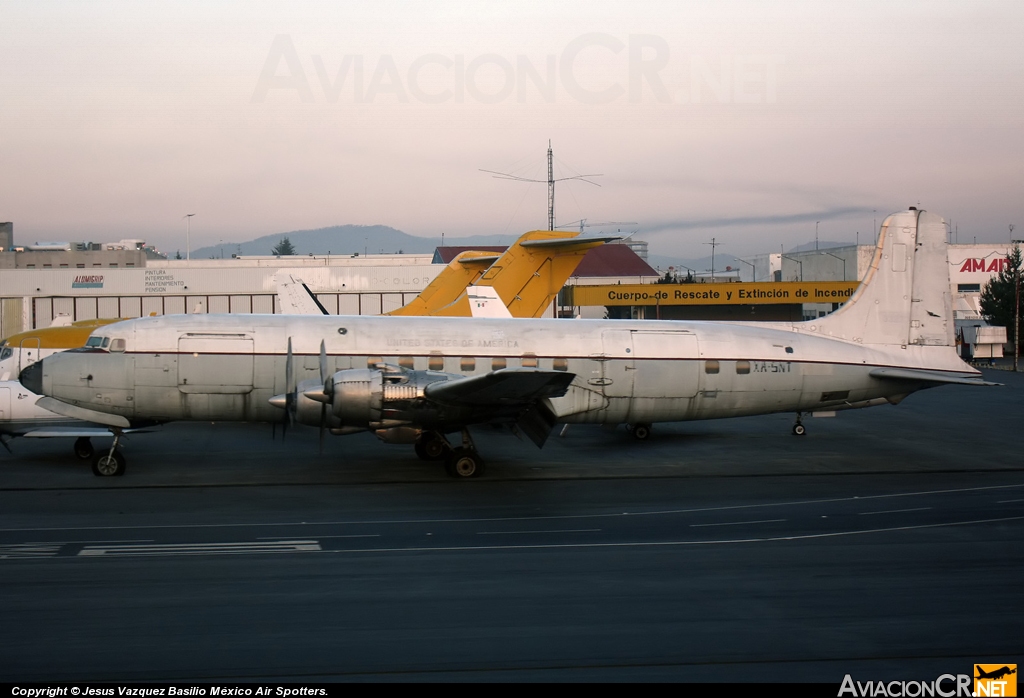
x,y
290,389
323,424
323,362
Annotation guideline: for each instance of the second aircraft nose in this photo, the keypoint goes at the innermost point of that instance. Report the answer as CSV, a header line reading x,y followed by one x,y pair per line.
x,y
32,378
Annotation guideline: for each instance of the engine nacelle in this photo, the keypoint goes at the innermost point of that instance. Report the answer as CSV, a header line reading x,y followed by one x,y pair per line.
x,y
382,398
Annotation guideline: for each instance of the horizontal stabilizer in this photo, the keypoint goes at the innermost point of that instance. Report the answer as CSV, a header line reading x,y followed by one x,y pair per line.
x,y
571,242
508,386
86,415
914,374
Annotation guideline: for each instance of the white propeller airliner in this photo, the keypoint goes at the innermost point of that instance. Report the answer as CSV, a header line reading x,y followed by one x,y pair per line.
x,y
417,379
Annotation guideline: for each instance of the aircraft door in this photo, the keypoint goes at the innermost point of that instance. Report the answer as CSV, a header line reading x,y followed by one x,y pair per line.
x,y
215,364
28,353
667,364
616,363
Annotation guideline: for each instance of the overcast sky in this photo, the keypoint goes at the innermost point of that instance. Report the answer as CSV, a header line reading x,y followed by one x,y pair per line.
x,y
743,121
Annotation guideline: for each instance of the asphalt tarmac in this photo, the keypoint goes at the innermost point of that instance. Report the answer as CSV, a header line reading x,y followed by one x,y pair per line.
x,y
885,544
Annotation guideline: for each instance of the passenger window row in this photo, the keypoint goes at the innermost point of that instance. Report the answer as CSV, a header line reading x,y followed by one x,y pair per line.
x,y
467,364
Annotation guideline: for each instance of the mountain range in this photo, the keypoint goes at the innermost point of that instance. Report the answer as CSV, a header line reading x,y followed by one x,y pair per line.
x,y
382,239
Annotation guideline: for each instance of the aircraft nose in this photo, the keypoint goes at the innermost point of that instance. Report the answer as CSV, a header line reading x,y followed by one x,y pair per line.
x,y
32,378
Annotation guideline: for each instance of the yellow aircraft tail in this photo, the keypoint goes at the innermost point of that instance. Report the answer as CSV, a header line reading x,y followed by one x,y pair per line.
x,y
465,270
530,273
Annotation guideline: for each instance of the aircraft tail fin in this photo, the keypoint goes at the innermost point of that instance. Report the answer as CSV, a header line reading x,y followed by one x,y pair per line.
x,y
296,297
904,298
465,269
530,273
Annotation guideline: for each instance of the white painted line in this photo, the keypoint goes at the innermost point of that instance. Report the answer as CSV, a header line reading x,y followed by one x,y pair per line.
x,y
356,535
891,511
658,512
676,543
736,523
74,542
512,533
1010,501
247,547
23,550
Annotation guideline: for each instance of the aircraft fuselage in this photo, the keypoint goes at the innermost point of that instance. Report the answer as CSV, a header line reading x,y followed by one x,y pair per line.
x,y
227,367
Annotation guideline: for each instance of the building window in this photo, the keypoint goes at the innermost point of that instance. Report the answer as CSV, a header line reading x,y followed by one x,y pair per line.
x,y
468,363
711,367
968,288
498,363
129,264
113,264
560,364
372,361
63,266
80,266
742,367
436,362
529,360
406,362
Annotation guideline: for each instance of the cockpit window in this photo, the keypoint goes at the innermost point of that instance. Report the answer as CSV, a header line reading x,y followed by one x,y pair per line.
x,y
106,342
95,342
6,353
117,345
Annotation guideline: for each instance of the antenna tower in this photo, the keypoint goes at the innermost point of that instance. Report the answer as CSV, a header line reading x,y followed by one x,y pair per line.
x,y
550,182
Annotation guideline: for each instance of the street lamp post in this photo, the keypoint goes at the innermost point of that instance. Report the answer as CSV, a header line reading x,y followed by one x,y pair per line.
x,y
798,262
841,259
753,269
188,235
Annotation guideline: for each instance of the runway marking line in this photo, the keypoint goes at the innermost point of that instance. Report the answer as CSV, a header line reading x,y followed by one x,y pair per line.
x,y
892,511
736,523
247,547
654,544
566,530
382,522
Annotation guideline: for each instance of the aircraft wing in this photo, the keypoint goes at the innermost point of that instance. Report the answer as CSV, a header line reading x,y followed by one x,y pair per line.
x,y
921,375
73,432
505,387
520,393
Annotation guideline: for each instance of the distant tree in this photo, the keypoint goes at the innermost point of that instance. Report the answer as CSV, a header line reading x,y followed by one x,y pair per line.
x,y
998,298
284,247
177,255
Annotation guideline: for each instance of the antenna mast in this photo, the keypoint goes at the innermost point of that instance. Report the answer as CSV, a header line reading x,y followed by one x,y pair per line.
x,y
550,182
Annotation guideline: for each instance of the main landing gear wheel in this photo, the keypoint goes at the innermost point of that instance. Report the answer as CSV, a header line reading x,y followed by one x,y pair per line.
x,y
108,464
799,429
641,432
432,447
83,448
464,463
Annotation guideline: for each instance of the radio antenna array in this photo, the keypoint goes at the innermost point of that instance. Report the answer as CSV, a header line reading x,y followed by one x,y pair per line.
x,y
550,182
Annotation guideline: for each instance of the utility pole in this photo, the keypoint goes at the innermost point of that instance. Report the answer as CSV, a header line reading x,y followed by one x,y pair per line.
x,y
816,235
188,236
713,246
551,189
